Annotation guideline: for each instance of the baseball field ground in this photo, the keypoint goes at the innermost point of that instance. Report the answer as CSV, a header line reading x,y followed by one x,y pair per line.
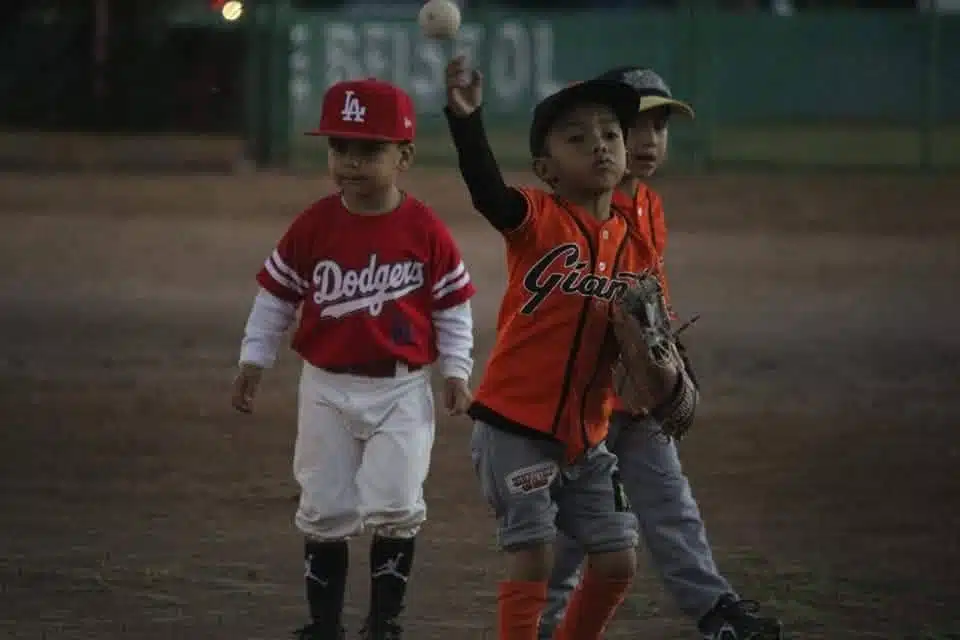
x,y
136,504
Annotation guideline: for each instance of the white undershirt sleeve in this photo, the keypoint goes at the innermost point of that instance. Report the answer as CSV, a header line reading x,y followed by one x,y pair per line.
x,y
269,320
454,328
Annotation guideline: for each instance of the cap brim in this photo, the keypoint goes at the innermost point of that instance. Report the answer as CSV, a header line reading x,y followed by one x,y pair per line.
x,y
676,106
325,133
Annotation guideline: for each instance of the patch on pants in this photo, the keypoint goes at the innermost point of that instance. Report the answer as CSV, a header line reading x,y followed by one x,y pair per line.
x,y
536,477
620,501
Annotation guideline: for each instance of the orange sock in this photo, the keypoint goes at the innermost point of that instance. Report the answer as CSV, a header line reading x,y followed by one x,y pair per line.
x,y
519,606
592,606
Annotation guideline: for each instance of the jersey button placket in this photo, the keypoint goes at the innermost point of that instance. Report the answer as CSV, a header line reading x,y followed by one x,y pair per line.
x,y
603,250
607,247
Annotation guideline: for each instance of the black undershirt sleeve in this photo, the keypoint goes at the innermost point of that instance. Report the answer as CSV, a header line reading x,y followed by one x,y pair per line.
x,y
504,207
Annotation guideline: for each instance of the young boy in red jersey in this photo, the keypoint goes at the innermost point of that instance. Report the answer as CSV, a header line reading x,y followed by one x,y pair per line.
x,y
382,293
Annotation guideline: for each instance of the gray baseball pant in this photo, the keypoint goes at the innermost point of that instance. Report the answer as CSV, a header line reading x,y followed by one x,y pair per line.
x,y
534,495
669,519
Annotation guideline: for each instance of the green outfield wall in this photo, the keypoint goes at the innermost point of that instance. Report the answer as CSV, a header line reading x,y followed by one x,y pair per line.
x,y
819,89
833,89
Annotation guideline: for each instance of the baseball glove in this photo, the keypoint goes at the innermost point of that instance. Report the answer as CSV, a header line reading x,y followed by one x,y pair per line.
x,y
651,375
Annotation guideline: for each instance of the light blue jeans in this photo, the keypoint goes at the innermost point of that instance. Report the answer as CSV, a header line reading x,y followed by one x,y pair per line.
x,y
670,525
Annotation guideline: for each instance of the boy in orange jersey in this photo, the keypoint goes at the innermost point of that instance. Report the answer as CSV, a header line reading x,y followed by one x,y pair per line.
x,y
649,465
541,412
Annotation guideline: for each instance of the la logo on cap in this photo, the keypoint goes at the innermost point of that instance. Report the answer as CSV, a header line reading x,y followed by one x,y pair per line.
x,y
353,111
367,110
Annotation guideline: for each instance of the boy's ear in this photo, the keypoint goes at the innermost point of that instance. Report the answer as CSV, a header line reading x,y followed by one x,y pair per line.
x,y
407,153
541,169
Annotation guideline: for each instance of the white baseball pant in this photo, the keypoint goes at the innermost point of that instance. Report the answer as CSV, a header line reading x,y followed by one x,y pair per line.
x,y
362,453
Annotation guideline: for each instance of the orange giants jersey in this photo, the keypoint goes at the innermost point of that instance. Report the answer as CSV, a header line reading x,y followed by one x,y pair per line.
x,y
550,370
647,207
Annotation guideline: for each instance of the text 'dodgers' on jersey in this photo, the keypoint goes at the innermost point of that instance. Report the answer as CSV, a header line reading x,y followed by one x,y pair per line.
x,y
341,292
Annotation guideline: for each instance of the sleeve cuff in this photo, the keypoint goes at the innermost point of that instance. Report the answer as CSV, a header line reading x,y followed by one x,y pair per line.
x,y
256,353
456,367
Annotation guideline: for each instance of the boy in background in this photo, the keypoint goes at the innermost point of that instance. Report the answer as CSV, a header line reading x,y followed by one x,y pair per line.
x,y
649,465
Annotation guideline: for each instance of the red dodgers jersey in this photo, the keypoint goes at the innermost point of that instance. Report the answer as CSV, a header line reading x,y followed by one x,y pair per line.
x,y
368,284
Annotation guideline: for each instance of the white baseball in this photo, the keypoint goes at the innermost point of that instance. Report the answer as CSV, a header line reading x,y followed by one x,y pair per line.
x,y
439,19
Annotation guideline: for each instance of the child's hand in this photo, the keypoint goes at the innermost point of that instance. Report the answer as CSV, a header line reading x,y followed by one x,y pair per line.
x,y
456,396
245,387
464,88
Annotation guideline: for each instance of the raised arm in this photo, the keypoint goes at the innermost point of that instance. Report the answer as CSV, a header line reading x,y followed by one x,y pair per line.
x,y
504,207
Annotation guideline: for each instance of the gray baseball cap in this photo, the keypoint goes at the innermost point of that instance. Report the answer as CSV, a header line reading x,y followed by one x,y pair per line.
x,y
650,87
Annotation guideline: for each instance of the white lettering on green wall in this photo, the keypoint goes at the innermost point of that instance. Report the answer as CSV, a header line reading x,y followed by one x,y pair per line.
x,y
516,58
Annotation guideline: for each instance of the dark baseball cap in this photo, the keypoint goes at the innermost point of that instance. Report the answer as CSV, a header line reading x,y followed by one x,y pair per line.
x,y
650,88
621,98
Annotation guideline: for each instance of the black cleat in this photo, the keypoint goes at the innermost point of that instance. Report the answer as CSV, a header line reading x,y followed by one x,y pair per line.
x,y
316,631
732,619
382,630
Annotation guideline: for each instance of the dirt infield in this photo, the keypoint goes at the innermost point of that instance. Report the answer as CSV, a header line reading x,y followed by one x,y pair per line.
x,y
137,505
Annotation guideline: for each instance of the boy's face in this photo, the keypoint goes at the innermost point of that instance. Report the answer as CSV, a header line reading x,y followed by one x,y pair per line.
x,y
647,142
585,150
363,168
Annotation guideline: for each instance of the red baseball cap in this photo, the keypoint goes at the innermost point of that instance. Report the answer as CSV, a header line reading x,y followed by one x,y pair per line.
x,y
367,110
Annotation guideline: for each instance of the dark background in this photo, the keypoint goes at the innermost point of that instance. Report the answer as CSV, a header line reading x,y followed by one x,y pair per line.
x,y
131,68
151,76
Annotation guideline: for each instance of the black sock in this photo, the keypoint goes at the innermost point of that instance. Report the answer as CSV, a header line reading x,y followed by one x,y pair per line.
x,y
390,563
325,575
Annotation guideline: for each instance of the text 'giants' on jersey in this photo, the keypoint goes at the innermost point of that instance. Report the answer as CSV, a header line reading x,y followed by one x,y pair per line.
x,y
562,269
